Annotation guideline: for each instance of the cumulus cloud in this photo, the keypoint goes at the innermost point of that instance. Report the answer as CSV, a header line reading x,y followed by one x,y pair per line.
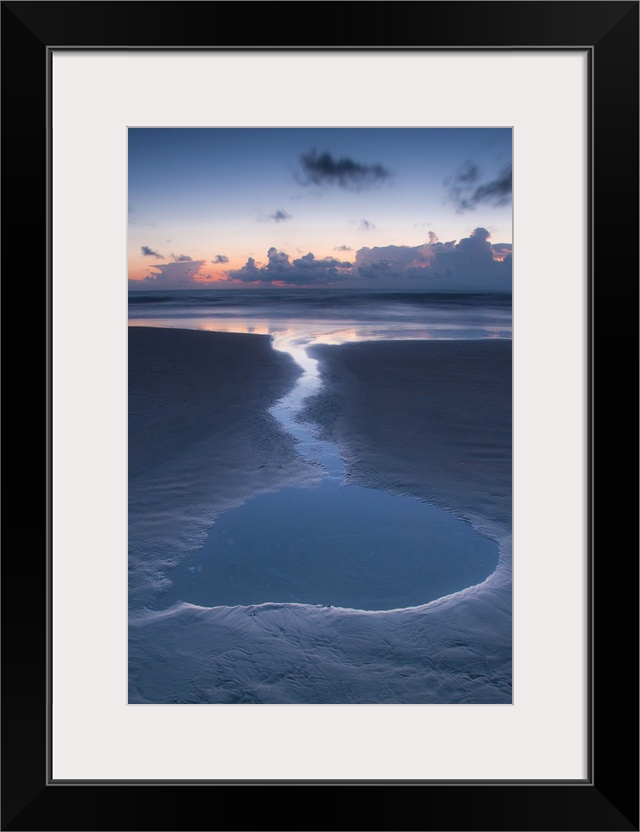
x,y
324,169
182,258
304,271
220,258
433,237
391,261
149,252
467,190
470,263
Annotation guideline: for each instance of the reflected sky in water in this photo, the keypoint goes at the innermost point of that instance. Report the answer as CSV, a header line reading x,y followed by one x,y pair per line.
x,y
334,545
304,317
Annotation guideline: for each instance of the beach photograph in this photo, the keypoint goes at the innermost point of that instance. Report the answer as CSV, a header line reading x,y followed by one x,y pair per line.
x,y
320,415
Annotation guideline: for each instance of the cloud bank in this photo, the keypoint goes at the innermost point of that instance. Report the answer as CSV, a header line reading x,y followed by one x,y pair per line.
x,y
472,264
279,269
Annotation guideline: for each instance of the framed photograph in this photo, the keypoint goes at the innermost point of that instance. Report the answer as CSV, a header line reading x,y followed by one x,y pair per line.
x,y
320,418
267,175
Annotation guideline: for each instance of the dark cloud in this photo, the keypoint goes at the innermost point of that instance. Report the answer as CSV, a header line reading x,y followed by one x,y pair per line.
x,y
433,237
182,258
323,169
365,225
496,192
304,271
149,252
471,263
279,216
466,191
343,248
220,258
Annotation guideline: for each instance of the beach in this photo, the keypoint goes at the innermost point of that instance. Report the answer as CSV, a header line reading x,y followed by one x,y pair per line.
x,y
429,419
199,434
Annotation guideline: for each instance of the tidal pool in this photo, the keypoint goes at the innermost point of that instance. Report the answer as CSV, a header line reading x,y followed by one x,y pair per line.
x,y
334,545
344,546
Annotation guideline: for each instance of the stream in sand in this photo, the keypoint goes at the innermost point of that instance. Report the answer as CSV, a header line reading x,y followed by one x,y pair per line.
x,y
336,544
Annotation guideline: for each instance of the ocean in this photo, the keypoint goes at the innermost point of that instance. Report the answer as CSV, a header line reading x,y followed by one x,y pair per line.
x,y
327,315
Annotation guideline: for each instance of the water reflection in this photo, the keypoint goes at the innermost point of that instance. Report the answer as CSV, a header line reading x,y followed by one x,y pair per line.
x,y
329,317
341,546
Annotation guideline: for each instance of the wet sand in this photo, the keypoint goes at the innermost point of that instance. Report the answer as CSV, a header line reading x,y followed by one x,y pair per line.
x,y
426,418
430,419
200,439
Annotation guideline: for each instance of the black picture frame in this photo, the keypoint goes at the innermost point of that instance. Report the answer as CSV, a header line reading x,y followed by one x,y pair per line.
x,y
608,798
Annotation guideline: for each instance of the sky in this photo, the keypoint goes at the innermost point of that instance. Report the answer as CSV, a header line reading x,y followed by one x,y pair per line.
x,y
381,208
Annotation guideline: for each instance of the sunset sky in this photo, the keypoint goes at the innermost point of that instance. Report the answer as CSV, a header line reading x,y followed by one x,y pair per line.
x,y
375,208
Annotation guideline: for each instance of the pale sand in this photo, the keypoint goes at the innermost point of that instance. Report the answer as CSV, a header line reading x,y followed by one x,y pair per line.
x,y
432,419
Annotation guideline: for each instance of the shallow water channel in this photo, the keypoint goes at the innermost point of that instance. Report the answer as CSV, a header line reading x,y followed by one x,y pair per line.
x,y
336,544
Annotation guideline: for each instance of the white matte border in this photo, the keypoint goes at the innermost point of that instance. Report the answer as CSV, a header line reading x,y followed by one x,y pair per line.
x,y
96,95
